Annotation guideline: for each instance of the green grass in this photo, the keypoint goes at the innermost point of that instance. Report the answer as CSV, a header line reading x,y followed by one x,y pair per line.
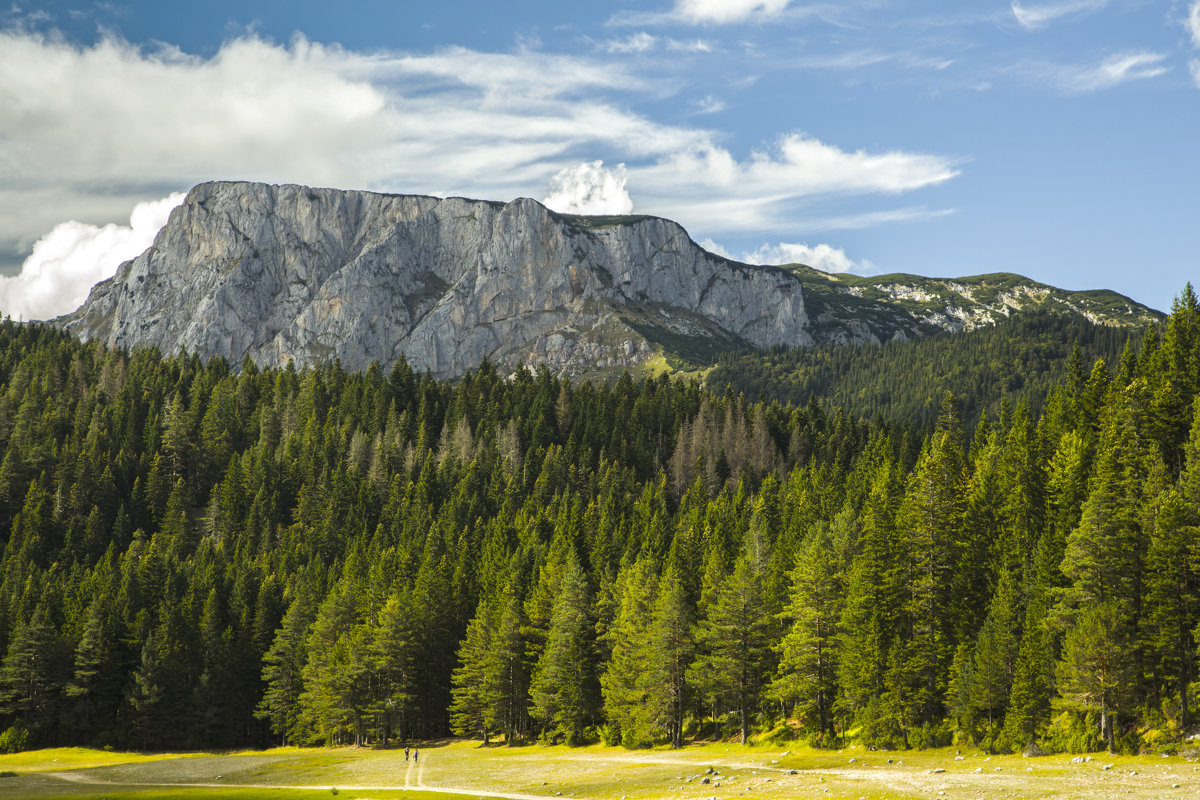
x,y
592,773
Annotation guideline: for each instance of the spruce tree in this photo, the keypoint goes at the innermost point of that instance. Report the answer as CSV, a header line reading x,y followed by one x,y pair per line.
x,y
733,639
627,681
470,706
564,689
808,652
670,652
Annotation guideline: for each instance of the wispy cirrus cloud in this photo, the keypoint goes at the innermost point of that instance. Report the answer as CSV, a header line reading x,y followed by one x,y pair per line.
x,y
642,42
1112,72
1038,16
1193,22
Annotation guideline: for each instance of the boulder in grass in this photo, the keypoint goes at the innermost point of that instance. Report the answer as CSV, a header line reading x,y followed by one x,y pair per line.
x,y
1033,750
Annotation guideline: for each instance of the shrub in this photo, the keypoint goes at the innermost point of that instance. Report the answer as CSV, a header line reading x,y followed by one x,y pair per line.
x,y
13,740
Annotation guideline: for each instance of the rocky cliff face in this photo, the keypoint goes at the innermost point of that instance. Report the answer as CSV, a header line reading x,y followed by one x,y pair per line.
x,y
291,272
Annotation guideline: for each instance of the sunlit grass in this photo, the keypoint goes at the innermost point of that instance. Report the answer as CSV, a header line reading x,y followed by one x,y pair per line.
x,y
763,770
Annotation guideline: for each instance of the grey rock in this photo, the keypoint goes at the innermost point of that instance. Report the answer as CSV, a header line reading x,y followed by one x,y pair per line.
x,y
291,272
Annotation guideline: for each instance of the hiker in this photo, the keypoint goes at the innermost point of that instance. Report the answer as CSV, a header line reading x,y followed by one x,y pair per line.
x,y
416,755
406,754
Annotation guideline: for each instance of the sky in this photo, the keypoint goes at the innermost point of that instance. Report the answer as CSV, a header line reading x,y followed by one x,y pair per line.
x,y
1055,138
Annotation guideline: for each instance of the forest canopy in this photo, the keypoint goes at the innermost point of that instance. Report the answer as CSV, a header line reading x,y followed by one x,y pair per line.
x,y
209,555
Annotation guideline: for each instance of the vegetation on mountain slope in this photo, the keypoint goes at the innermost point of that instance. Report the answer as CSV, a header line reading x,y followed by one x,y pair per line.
x,y
198,556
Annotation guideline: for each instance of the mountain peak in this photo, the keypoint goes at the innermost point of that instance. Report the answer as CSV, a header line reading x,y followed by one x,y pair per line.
x,y
293,272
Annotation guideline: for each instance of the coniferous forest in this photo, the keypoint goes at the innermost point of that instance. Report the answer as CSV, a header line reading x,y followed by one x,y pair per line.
x,y
206,555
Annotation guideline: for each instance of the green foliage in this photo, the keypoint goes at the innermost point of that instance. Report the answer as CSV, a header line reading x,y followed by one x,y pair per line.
x,y
195,555
1022,357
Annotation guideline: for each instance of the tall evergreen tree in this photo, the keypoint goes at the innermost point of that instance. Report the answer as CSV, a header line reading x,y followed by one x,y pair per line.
x,y
564,688
733,639
808,653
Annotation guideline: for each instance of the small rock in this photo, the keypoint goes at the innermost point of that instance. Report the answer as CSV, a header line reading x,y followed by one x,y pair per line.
x,y
1106,767
1033,750
704,779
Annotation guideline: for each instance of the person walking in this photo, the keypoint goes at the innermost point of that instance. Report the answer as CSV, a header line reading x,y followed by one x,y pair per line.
x,y
406,754
416,755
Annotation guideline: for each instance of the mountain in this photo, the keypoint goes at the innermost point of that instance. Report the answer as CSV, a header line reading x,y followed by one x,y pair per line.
x,y
292,272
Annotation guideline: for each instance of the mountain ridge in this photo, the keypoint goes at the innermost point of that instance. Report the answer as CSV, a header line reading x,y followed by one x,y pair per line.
x,y
308,274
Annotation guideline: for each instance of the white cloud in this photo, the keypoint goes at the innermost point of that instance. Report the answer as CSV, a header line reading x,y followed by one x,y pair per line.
x,y
724,11
709,188
715,247
88,131
1113,71
640,42
1032,17
589,189
1194,22
1194,66
67,261
689,46
710,105
822,256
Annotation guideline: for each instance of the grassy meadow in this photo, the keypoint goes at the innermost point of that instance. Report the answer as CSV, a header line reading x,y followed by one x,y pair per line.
x,y
698,772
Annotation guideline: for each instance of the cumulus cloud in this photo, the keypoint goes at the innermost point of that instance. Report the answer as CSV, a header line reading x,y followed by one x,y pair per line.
x,y
1194,22
1194,66
715,247
1032,17
1113,71
822,256
70,259
589,189
89,131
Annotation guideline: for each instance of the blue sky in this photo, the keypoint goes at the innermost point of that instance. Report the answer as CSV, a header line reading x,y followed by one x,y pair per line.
x,y
1055,138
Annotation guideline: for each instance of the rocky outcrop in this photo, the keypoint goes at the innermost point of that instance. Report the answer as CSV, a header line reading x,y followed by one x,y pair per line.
x,y
290,272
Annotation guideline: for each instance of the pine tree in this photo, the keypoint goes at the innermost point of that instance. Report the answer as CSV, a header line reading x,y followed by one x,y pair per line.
x,y
393,653
564,689
626,684
808,653
996,650
506,686
1095,668
283,668
733,639
29,677
671,651
928,520
471,704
